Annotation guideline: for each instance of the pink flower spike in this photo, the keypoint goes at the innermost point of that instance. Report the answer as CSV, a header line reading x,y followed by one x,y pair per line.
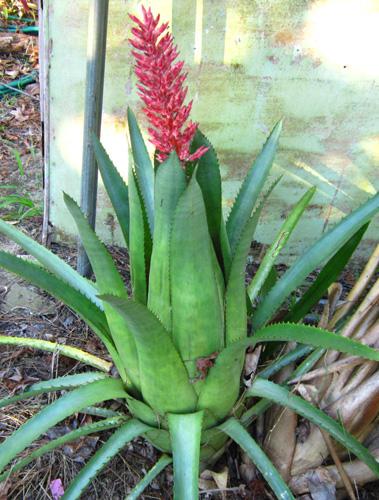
x,y
161,88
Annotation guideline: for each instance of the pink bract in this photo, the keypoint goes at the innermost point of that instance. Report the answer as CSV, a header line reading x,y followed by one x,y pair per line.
x,y
161,88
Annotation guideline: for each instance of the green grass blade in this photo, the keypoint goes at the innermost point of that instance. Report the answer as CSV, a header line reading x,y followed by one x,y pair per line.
x,y
115,186
277,245
56,384
102,390
108,280
170,183
251,188
143,168
197,315
209,178
103,425
240,435
327,276
185,433
281,396
52,262
65,350
149,477
115,443
137,242
164,378
322,250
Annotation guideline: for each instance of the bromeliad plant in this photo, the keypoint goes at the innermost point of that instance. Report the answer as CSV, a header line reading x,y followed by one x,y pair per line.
x,y
179,343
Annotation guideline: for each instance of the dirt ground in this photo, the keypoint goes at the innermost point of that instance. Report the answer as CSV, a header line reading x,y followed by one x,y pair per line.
x,y
26,311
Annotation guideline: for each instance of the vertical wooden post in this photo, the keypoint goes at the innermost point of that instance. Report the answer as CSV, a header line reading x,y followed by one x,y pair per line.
x,y
96,47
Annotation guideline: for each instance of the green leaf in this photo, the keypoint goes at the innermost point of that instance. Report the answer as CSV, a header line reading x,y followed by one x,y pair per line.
x,y
108,281
251,188
209,178
224,377
102,390
115,443
143,412
115,186
277,245
161,362
285,360
269,282
149,477
86,309
137,242
197,315
107,276
317,337
185,432
103,425
170,182
221,388
235,298
281,396
56,384
327,276
240,435
65,350
52,262
322,250
142,167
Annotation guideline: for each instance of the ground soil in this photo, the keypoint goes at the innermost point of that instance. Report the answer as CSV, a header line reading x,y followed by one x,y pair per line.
x,y
26,311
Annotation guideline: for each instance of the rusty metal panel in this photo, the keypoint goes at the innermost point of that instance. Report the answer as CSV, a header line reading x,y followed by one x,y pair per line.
x,y
250,62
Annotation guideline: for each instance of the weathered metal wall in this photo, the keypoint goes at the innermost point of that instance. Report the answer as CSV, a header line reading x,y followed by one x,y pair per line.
x,y
250,62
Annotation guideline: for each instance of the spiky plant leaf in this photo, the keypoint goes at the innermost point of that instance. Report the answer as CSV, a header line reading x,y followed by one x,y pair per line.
x,y
278,244
240,435
209,178
143,168
221,387
197,316
310,335
170,183
322,250
160,359
185,432
56,384
137,242
138,489
327,276
128,431
235,297
251,188
102,425
223,378
108,281
284,360
281,396
52,262
115,186
87,310
101,390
